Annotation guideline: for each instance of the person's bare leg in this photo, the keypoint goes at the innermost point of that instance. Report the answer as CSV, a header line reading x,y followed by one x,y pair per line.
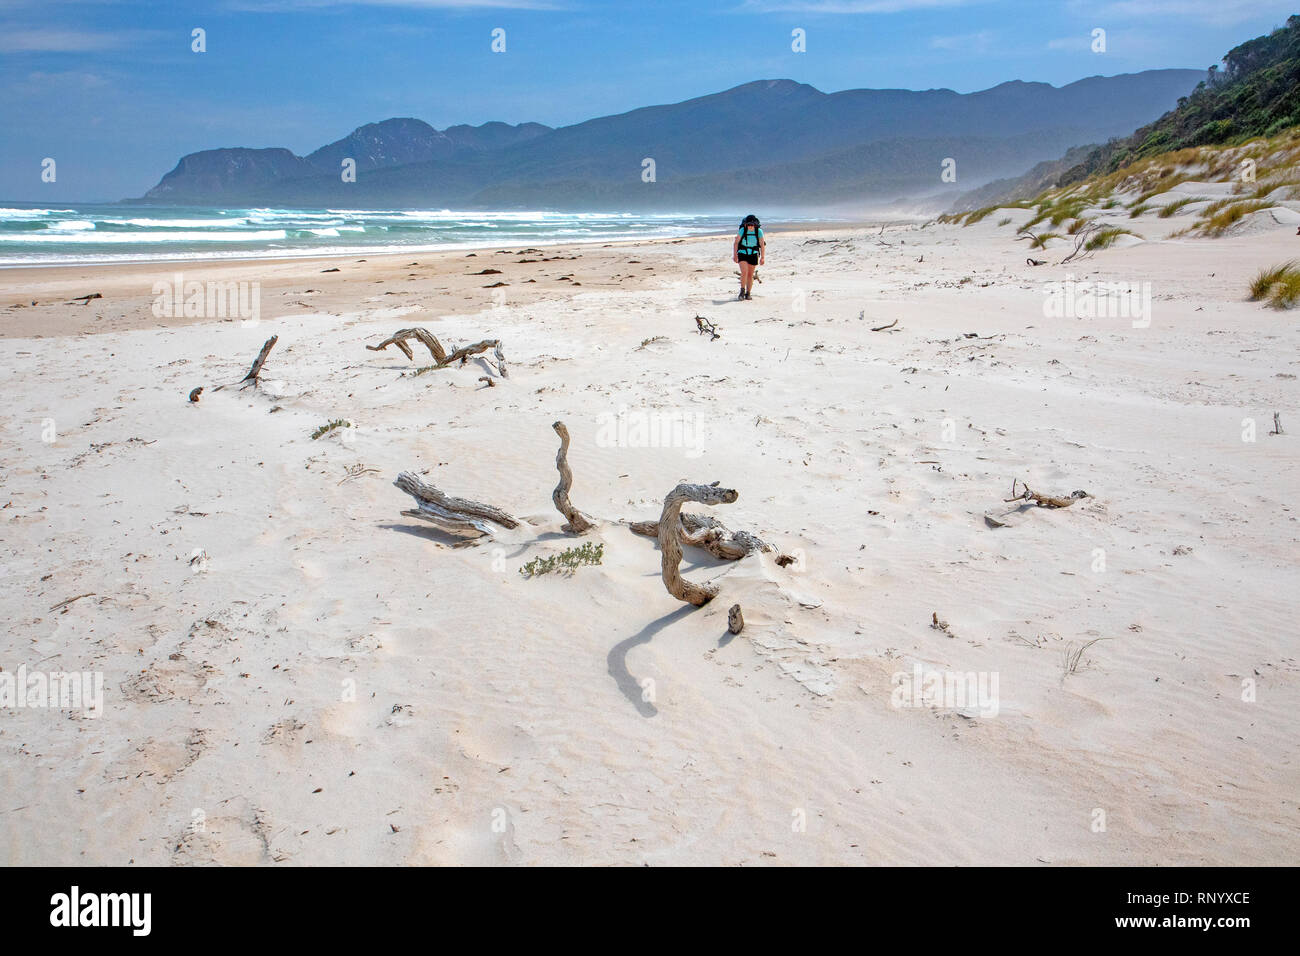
x,y
746,277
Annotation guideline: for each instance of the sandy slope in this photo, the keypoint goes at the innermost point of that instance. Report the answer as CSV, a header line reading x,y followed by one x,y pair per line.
x,y
593,719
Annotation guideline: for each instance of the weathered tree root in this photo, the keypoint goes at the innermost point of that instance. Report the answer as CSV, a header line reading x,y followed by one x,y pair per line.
x,y
458,516
441,358
735,620
1044,501
254,376
670,545
399,338
710,534
577,523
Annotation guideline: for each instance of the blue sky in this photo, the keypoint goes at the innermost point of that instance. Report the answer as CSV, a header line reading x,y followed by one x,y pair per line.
x,y
112,90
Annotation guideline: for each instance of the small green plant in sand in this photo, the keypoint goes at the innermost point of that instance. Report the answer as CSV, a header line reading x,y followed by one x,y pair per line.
x,y
1105,238
566,562
1279,285
326,429
1077,225
1138,210
1005,221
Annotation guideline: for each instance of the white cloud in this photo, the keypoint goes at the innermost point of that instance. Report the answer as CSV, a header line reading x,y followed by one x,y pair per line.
x,y
69,41
967,42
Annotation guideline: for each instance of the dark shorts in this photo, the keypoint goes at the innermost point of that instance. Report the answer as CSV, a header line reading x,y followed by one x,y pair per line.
x,y
751,259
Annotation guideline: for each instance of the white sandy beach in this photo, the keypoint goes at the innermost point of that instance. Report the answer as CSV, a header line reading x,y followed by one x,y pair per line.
x,y
334,683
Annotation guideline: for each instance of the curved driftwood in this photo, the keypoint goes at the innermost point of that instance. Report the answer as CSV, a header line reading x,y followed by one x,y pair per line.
x,y
458,516
707,532
441,358
577,523
399,338
670,545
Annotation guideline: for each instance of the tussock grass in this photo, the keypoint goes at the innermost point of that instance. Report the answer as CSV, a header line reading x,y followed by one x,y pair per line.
x,y
1278,285
1076,226
1215,222
1105,238
1006,221
1135,211
1169,209
1040,241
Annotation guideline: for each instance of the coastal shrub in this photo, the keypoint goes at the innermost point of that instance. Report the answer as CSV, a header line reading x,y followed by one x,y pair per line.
x,y
567,561
326,429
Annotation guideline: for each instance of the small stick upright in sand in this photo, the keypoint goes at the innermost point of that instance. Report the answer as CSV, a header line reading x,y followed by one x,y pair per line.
x,y
577,523
670,547
254,376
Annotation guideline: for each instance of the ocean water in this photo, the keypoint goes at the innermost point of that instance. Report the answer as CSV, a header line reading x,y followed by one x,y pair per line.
x,y
51,235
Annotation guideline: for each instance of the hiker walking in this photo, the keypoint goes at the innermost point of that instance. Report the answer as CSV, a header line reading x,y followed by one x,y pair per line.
x,y
749,251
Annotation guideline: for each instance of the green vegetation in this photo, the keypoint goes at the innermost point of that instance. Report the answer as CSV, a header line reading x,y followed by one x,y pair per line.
x,y
1138,210
567,561
1169,209
1279,285
1105,238
326,429
1218,217
1257,93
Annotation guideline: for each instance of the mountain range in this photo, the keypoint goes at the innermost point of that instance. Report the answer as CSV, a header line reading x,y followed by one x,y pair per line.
x,y
779,142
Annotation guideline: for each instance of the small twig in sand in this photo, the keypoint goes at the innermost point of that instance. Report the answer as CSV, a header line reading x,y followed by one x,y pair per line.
x,y
1074,652
705,327
195,393
884,328
488,379
85,299
72,599
1044,501
1277,424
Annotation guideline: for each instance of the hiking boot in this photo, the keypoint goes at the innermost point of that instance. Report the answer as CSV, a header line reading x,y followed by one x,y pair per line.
x,y
741,296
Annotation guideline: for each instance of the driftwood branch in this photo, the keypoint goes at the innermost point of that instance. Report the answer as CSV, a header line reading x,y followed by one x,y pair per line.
x,y
1043,501
441,358
576,521
254,376
710,534
885,328
670,546
1080,240
458,516
400,337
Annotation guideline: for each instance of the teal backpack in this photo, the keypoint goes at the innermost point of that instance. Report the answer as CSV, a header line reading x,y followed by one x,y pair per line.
x,y
749,240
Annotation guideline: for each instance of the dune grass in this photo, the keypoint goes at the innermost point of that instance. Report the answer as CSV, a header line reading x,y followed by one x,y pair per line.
x,y
1169,209
1216,221
1139,209
1105,238
1278,285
